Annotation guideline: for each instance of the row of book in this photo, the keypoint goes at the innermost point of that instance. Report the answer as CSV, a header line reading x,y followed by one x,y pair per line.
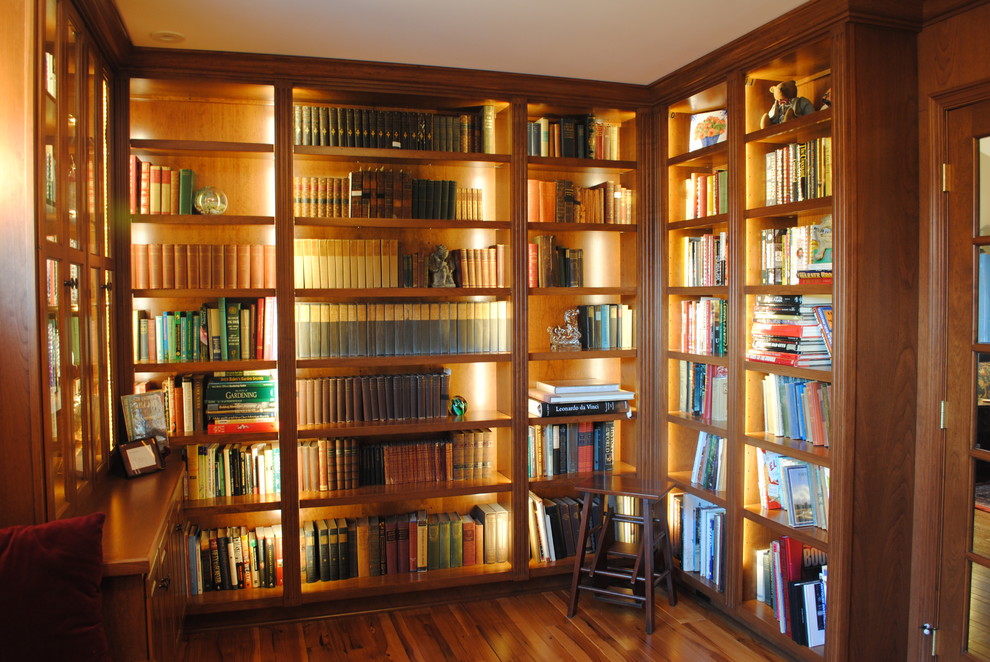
x,y
376,263
329,330
551,265
697,533
703,326
330,197
327,464
466,130
800,254
792,329
569,448
799,171
703,390
336,549
606,326
222,470
798,408
230,330
705,260
234,557
240,403
554,527
708,470
348,398
798,487
157,189
573,136
792,579
438,460
706,194
180,266
563,201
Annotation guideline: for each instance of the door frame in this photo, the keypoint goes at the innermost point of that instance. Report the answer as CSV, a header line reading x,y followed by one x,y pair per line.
x,y
932,362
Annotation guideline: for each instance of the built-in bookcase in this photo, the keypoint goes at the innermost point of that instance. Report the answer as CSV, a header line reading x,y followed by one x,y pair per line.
x,y
342,200
723,200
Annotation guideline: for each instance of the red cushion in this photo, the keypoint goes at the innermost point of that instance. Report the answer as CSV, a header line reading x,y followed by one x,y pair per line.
x,y
51,606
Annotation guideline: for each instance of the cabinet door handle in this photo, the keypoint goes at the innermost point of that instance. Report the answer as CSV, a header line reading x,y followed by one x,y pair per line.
x,y
164,583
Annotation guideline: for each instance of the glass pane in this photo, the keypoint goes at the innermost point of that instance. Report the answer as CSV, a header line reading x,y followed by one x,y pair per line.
x,y
75,372
71,104
106,342
979,612
49,223
981,508
983,167
93,190
53,445
93,357
104,208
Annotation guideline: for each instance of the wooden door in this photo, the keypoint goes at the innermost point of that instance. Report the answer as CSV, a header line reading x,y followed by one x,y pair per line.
x,y
964,565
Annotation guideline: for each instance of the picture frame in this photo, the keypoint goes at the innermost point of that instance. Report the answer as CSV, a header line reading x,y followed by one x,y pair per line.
x,y
708,128
800,500
140,456
144,416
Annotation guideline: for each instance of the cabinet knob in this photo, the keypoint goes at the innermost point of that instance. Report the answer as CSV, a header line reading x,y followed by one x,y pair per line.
x,y
71,282
107,286
164,583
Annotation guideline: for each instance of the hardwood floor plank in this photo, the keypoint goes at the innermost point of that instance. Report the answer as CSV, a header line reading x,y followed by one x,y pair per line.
x,y
529,627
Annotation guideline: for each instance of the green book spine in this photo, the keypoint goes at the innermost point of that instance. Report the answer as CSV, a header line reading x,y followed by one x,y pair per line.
x,y
187,184
233,331
432,542
222,309
443,538
456,541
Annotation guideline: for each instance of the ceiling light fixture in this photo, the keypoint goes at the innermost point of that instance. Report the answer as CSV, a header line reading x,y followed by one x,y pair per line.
x,y
168,37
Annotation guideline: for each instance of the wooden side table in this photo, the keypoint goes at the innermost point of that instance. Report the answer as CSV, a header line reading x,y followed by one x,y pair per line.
x,y
617,572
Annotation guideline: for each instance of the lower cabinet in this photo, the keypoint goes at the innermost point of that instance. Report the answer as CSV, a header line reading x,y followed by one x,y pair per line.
x,y
145,581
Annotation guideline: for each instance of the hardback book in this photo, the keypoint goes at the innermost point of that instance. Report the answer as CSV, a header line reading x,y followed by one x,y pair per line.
x,y
571,386
588,396
549,409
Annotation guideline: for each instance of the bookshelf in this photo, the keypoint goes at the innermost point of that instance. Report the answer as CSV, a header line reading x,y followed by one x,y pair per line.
x,y
582,230
720,255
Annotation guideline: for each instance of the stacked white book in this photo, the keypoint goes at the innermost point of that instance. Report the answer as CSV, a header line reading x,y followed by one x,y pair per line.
x,y
576,397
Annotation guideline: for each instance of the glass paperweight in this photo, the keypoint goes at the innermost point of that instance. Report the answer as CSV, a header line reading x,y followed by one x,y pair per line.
x,y
210,200
458,405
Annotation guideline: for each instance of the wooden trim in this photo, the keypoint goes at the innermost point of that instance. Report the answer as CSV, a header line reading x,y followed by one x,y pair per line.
x,y
106,27
354,75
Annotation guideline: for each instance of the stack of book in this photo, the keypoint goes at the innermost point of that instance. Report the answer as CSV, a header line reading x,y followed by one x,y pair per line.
x,y
787,332
554,525
576,397
241,403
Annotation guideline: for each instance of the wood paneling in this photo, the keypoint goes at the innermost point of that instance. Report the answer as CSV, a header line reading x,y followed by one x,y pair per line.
x,y
20,386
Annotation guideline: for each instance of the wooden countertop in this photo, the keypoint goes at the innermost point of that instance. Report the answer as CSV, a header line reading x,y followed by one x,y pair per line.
x,y
136,510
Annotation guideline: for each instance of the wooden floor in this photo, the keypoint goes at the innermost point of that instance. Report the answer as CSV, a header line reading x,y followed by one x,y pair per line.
x,y
519,628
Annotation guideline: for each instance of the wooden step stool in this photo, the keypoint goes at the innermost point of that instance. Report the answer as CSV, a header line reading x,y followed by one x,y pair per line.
x,y
623,573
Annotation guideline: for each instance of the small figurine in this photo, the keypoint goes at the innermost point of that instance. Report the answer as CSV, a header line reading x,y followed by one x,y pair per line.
x,y
786,104
440,267
566,338
826,99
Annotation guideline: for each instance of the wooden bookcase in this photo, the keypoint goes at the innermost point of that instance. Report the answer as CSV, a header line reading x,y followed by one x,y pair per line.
x,y
246,139
861,426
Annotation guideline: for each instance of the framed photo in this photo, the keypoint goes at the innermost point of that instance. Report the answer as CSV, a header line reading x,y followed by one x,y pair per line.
x,y
801,502
140,456
707,128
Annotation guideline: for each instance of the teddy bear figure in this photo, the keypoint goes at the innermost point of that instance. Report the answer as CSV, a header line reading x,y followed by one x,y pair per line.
x,y
786,104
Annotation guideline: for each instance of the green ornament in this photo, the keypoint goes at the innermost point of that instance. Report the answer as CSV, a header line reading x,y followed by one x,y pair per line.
x,y
458,405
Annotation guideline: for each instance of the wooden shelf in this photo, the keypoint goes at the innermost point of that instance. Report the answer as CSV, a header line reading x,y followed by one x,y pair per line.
x,y
817,374
581,227
717,154
583,354
698,358
201,220
226,438
697,423
377,494
402,360
817,123
791,209
358,155
214,602
699,291
472,419
204,293
703,222
549,163
432,293
580,291
682,480
233,505
776,520
203,366
165,147
796,448
399,223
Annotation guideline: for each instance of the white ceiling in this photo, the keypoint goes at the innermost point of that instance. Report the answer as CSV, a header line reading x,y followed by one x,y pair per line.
x,y
629,41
